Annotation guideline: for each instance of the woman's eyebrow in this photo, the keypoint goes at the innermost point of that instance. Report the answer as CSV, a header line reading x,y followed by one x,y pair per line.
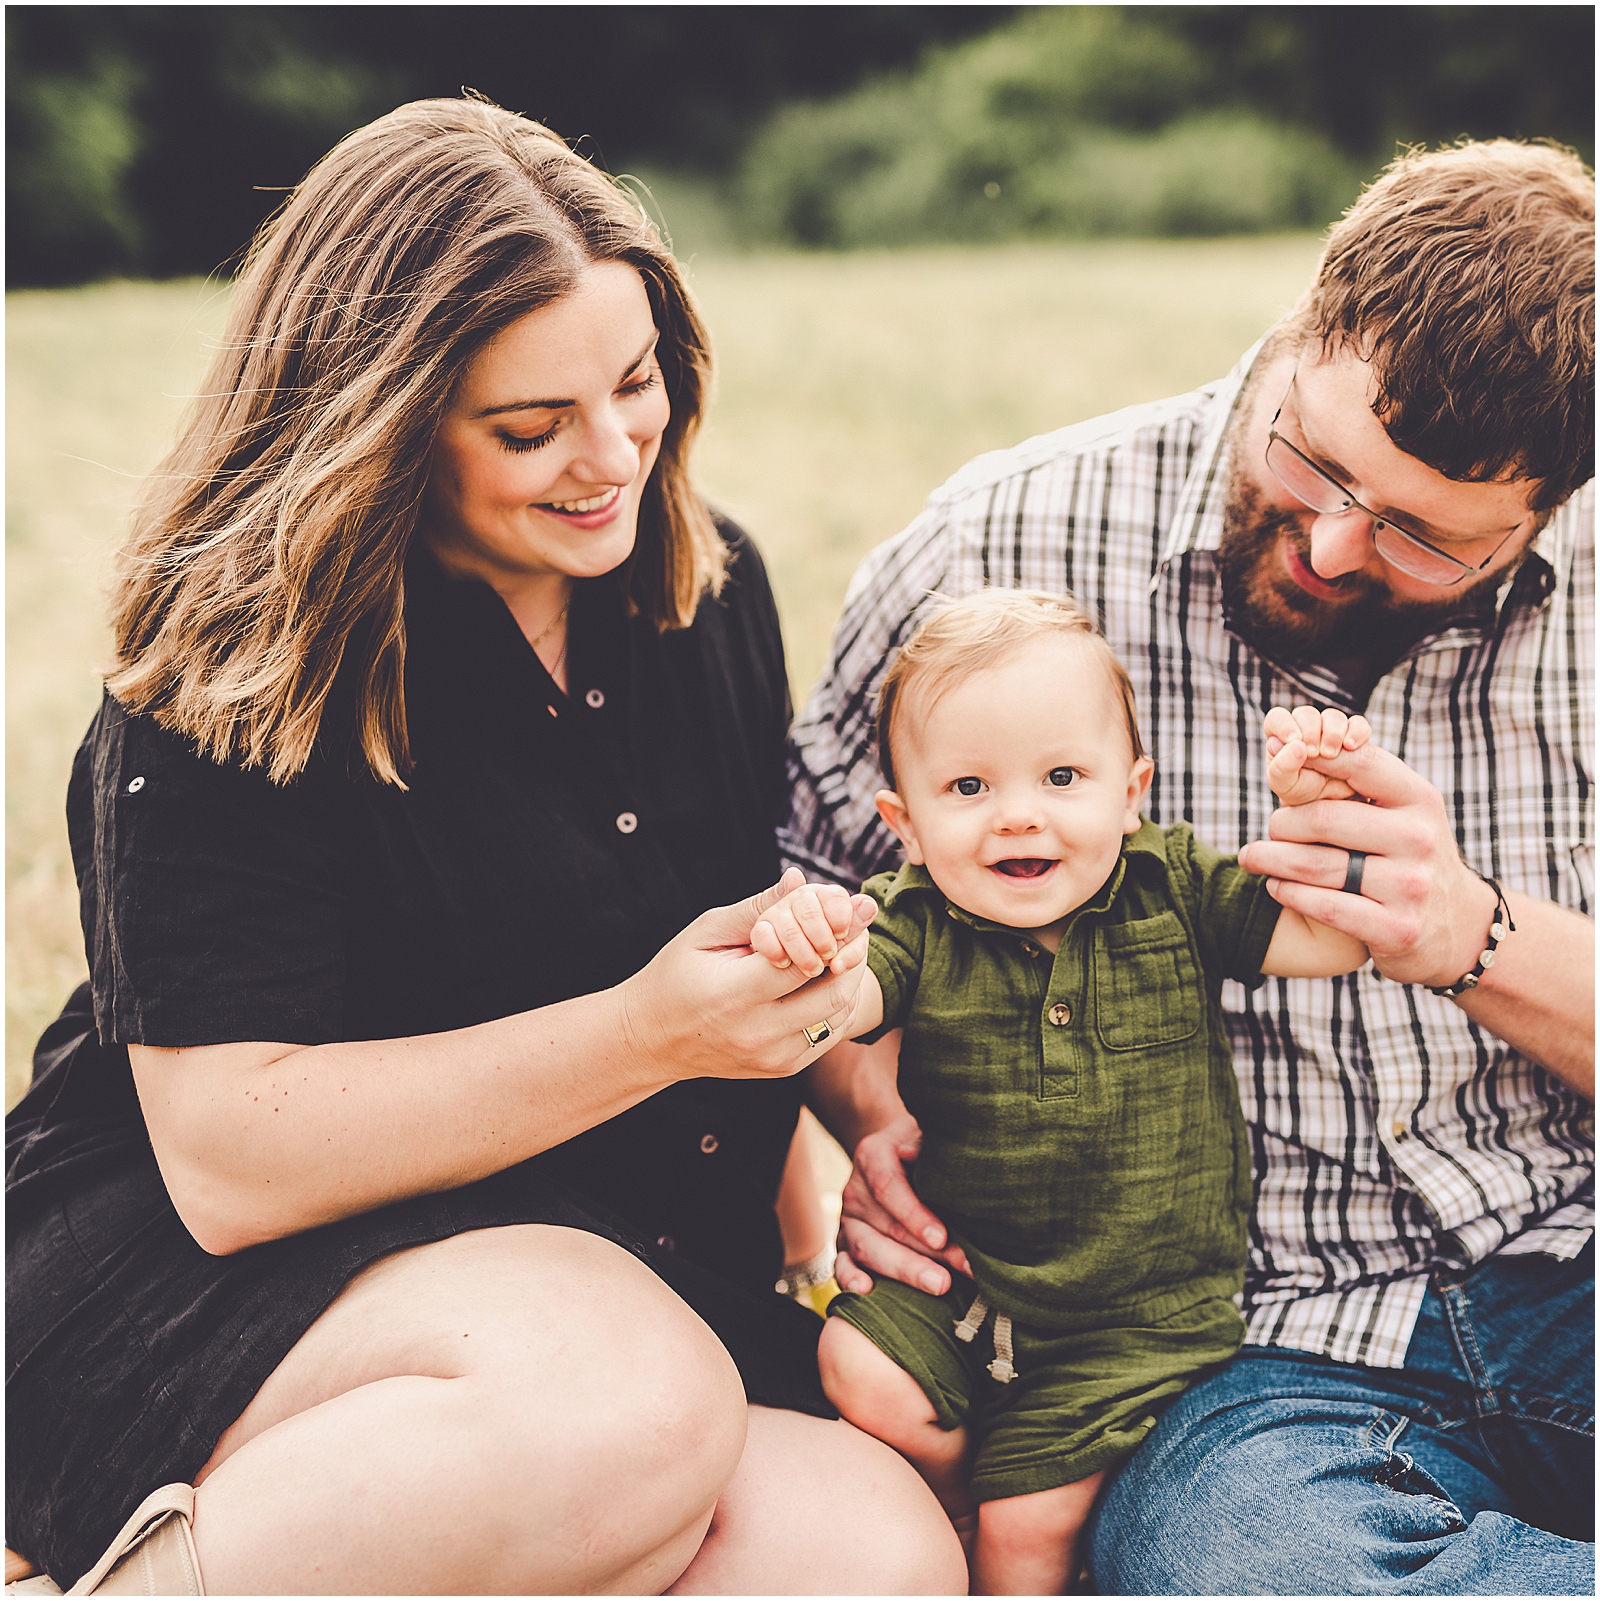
x,y
565,405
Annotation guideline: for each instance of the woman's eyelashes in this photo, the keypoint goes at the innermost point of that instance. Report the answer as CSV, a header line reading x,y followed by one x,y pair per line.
x,y
520,446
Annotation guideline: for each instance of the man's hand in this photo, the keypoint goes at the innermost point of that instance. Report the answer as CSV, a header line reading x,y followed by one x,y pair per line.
x,y
1422,912
885,1229
1295,737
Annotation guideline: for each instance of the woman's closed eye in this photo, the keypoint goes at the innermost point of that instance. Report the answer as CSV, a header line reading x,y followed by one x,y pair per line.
x,y
1062,777
519,446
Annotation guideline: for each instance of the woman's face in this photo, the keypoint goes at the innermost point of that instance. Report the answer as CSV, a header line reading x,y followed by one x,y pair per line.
x,y
540,461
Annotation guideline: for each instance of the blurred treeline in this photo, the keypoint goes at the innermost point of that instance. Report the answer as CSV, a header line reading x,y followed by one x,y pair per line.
x,y
1074,121
153,140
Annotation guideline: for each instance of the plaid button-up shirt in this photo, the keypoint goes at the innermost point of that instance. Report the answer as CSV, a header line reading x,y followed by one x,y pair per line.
x,y
1391,1134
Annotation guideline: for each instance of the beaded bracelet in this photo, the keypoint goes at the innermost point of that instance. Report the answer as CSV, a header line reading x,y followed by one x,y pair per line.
x,y
801,1276
1499,927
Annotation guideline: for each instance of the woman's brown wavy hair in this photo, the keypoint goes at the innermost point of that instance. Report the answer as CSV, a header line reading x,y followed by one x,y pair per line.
x,y
266,560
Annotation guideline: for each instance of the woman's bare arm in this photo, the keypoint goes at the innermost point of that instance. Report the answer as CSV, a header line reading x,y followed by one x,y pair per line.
x,y
259,1140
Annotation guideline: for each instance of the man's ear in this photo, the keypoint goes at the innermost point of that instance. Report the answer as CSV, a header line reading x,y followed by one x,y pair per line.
x,y
1139,777
895,816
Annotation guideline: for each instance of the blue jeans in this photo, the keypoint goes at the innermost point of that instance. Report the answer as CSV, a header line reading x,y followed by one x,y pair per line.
x,y
1470,1471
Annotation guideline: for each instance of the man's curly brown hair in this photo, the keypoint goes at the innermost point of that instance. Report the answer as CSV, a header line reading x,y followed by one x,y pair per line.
x,y
1466,277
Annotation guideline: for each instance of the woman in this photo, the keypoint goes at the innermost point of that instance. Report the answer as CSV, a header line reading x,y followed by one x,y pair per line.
x,y
384,1182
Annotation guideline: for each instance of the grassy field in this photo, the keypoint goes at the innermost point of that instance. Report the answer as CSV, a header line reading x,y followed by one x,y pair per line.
x,y
849,386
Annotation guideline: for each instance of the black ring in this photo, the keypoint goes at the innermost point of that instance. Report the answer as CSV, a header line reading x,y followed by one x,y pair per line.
x,y
1352,873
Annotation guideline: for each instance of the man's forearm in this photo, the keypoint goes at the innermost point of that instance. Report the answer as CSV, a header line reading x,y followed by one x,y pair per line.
x,y
1539,995
853,1089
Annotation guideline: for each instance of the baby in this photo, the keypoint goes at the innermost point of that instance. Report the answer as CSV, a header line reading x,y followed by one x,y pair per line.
x,y
1056,964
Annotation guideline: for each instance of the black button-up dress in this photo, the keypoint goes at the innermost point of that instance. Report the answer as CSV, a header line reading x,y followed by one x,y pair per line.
x,y
548,845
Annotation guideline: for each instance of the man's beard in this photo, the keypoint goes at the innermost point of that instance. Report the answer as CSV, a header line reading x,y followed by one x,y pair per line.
x,y
1283,622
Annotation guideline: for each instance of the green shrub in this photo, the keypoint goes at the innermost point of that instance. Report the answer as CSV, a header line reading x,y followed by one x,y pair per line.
x,y
1071,123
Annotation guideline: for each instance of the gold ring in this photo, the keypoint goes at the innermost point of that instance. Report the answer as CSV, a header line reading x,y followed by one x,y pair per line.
x,y
818,1032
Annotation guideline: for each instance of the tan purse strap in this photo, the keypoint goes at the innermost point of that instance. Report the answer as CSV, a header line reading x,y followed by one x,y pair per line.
x,y
152,1512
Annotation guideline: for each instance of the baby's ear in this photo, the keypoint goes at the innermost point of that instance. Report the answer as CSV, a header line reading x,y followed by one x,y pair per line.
x,y
1139,776
898,820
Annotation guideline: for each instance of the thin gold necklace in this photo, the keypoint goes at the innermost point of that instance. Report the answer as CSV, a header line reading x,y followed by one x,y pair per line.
x,y
551,627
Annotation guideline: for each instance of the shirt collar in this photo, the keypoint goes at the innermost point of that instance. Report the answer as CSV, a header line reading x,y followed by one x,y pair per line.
x,y
1197,517
1137,850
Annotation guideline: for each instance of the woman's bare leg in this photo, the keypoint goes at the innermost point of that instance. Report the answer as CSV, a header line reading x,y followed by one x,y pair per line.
x,y
819,1508
525,1409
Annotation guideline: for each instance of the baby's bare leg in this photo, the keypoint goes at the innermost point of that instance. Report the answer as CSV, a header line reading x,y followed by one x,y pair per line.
x,y
883,1400
1028,1544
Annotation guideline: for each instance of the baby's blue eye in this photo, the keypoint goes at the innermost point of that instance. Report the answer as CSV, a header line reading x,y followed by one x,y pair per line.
x,y
1061,777
968,786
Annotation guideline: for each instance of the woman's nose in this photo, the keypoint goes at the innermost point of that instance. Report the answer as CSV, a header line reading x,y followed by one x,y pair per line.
x,y
606,452
1341,542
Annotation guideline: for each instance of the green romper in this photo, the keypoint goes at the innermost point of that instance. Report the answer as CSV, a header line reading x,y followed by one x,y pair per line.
x,y
1083,1143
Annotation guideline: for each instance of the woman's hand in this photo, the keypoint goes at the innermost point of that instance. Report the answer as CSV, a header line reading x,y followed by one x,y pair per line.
x,y
884,1227
805,928
258,1140
710,1006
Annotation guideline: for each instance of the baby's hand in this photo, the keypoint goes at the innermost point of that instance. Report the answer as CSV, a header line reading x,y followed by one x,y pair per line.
x,y
1294,738
808,927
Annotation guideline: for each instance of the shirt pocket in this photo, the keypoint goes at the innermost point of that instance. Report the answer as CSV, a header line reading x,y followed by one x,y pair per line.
x,y
1146,984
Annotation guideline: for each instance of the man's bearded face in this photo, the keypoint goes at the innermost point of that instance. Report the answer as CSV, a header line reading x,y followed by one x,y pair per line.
x,y
1264,605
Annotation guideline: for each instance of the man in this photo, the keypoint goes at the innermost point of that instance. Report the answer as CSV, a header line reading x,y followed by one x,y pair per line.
x,y
1379,510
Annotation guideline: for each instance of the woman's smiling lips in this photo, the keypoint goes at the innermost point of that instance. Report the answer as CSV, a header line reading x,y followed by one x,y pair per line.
x,y
593,512
1034,867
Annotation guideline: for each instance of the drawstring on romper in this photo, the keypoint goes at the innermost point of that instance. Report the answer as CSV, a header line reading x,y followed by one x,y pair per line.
x,y
1003,1368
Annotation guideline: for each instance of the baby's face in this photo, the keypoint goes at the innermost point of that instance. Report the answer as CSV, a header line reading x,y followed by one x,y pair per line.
x,y
1018,784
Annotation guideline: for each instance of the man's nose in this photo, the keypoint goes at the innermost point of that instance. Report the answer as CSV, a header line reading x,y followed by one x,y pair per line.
x,y
1341,542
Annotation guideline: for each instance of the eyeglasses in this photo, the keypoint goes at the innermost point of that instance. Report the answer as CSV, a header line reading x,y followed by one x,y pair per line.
x,y
1326,496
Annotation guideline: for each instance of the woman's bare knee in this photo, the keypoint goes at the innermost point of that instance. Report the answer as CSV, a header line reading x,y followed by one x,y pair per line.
x,y
565,1310
584,1417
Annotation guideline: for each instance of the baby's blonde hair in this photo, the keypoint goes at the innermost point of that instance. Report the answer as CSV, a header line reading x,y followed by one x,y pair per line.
x,y
967,636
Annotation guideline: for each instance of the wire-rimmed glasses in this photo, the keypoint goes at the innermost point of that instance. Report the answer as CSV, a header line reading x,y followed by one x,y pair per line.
x,y
1325,495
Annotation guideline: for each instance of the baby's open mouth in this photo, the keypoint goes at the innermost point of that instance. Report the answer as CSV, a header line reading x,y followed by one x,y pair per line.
x,y
1024,866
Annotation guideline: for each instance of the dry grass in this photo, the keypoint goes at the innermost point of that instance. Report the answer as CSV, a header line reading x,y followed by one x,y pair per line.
x,y
849,387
